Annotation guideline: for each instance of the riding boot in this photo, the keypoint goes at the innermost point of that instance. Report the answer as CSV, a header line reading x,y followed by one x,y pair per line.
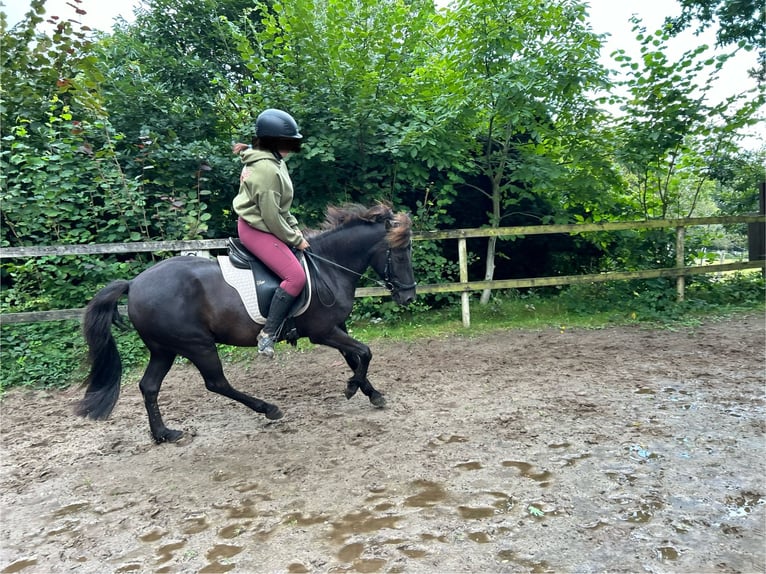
x,y
280,306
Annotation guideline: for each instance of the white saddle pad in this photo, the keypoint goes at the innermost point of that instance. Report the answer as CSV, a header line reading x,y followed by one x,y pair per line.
x,y
242,280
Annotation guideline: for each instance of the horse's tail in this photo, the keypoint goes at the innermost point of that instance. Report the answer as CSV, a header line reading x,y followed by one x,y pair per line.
x,y
105,365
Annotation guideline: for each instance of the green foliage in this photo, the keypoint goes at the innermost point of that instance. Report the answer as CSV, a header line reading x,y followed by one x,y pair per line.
x,y
672,135
731,290
53,355
739,21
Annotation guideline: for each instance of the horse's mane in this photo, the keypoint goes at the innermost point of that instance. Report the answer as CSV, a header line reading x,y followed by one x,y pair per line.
x,y
399,229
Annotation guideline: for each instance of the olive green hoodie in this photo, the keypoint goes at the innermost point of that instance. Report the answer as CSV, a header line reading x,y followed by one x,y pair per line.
x,y
265,196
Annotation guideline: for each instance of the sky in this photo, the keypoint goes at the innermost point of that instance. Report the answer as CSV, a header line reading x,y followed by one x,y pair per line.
x,y
607,16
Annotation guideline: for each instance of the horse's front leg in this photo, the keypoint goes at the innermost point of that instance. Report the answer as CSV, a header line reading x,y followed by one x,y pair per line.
x,y
352,360
358,357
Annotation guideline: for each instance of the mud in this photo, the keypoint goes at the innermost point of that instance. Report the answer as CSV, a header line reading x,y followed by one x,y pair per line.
x,y
623,449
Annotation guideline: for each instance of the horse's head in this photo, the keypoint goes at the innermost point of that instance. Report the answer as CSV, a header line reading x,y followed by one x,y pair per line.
x,y
397,271
383,236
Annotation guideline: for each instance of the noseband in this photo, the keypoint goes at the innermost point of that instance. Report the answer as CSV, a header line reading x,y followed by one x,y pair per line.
x,y
389,282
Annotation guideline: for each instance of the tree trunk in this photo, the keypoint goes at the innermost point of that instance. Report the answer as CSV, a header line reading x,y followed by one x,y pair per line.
x,y
489,271
494,221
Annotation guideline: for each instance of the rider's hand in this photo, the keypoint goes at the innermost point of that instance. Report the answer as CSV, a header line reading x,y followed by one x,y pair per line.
x,y
304,245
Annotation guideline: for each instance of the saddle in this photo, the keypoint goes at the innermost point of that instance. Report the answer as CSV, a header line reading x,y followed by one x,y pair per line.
x,y
266,281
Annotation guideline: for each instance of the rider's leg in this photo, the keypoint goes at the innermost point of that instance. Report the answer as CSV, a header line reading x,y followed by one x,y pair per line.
x,y
282,261
280,306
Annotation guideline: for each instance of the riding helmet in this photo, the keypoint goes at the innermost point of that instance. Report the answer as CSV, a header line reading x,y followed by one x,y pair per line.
x,y
274,123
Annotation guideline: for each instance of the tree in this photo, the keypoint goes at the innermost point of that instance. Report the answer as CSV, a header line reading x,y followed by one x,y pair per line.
x,y
508,87
168,78
739,21
672,133
339,68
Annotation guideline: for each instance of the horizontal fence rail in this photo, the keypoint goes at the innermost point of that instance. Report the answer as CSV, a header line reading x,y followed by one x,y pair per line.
x,y
464,286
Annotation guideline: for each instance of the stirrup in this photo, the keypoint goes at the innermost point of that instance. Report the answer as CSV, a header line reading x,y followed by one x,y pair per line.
x,y
266,345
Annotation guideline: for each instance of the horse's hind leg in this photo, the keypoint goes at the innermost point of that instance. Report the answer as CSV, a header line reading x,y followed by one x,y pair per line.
x,y
209,364
158,367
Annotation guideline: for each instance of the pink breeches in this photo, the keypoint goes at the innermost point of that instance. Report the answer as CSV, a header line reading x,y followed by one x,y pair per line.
x,y
276,255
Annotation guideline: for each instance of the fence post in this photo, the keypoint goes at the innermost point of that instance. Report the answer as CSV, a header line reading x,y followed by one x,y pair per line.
x,y
462,255
756,232
681,279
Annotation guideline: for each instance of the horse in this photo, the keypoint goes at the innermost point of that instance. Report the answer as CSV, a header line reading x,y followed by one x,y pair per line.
x,y
182,306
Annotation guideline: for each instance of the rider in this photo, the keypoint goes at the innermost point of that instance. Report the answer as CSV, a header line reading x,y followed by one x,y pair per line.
x,y
265,225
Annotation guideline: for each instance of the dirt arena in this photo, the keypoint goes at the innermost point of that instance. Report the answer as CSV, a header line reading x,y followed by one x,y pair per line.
x,y
622,449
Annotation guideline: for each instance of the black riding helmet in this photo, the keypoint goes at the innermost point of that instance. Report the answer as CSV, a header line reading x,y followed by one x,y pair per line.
x,y
273,123
277,130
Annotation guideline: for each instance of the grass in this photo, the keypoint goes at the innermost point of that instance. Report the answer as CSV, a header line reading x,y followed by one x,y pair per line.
x,y
539,312
49,356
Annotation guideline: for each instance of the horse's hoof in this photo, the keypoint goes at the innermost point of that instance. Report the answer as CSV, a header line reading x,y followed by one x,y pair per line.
x,y
351,389
274,413
169,435
378,400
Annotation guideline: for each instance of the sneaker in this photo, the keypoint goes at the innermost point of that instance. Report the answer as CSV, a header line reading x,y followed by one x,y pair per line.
x,y
265,345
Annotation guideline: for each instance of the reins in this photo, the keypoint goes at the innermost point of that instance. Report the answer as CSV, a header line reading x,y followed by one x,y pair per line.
x,y
313,255
388,283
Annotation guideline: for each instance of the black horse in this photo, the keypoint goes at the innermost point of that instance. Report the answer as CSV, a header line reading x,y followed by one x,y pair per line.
x,y
183,306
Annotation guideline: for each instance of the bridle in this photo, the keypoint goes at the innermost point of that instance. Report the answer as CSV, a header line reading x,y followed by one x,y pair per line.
x,y
388,282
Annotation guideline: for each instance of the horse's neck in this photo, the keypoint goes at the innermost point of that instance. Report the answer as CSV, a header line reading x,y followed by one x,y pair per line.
x,y
349,249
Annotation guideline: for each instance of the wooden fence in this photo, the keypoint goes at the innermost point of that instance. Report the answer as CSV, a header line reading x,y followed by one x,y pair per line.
x,y
464,286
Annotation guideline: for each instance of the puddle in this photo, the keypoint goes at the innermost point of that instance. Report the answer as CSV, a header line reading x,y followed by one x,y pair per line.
x,y
350,552
246,510
525,470
742,505
152,535
448,439
367,565
223,551
645,511
19,565
165,553
640,453
216,568
222,476
570,460
504,503
595,525
195,523
645,391
433,537
248,487
672,390
559,445
479,537
129,568
621,476
297,568
71,509
667,553
469,466
534,566
68,527
475,513
232,531
413,552
431,494
298,519
360,523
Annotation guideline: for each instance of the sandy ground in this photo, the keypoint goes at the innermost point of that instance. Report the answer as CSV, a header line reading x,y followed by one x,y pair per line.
x,y
617,450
